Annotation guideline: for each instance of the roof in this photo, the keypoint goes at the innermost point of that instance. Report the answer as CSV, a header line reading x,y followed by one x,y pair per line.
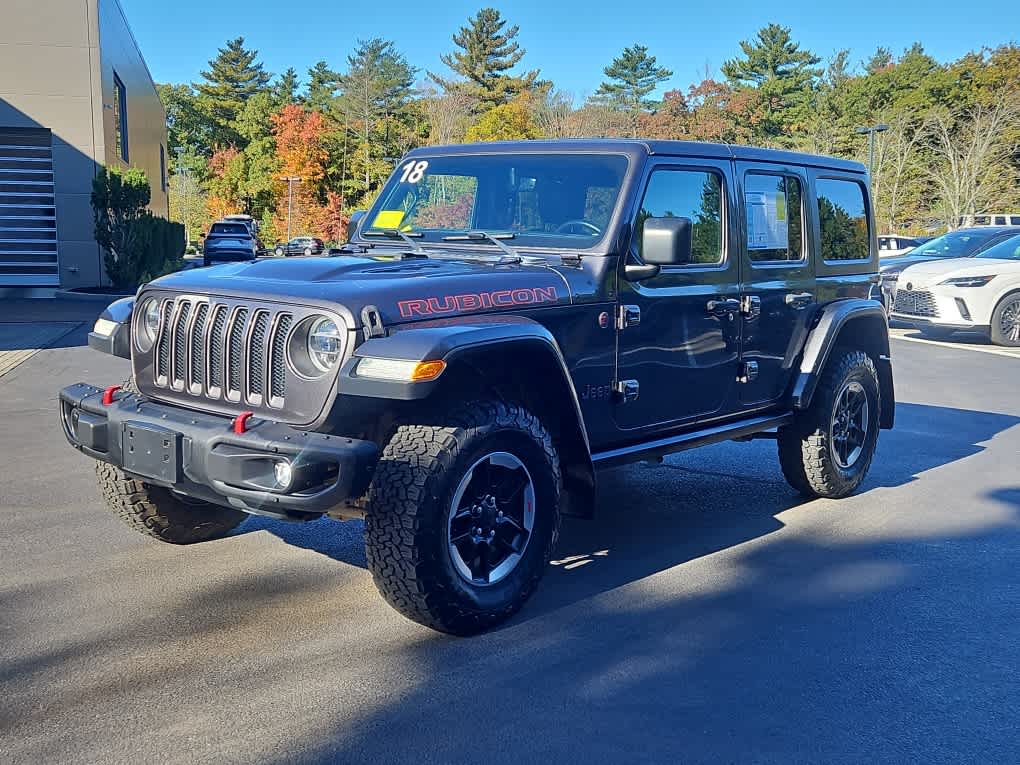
x,y
648,148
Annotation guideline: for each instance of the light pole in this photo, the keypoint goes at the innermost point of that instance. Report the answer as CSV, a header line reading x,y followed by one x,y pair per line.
x,y
182,172
870,132
291,180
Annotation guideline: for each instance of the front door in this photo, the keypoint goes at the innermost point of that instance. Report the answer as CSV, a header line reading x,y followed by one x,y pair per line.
x,y
678,342
777,280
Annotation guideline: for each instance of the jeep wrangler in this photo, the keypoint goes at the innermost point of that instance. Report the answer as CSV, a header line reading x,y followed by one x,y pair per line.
x,y
508,320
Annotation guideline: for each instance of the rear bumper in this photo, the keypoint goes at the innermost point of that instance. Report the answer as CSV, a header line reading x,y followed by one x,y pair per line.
x,y
201,456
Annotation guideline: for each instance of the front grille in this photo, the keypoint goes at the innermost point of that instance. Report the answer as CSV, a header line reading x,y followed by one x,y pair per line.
x,y
223,352
916,303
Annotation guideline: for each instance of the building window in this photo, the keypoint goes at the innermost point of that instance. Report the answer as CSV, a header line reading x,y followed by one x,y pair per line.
x,y
120,124
162,167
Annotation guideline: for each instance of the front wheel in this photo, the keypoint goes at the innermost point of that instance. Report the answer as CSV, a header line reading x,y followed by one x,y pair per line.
x,y
827,450
308,250
1006,321
279,252
463,515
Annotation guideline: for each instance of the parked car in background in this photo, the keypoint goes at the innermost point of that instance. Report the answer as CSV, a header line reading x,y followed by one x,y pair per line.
x,y
978,293
227,241
988,219
300,245
893,245
962,243
247,220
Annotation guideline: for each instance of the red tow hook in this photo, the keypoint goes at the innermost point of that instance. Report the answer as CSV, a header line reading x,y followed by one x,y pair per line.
x,y
108,394
241,422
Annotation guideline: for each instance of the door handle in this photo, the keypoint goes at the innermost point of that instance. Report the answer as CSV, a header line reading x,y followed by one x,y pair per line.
x,y
799,300
723,307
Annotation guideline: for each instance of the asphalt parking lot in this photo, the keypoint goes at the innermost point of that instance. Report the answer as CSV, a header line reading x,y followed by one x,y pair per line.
x,y
707,615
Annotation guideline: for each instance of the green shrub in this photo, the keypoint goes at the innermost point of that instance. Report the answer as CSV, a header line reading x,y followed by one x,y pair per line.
x,y
138,246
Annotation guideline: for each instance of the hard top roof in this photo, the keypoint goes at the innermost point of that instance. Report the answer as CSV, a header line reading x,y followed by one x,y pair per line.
x,y
642,148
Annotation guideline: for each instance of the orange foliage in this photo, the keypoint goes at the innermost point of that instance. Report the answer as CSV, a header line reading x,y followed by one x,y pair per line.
x,y
301,153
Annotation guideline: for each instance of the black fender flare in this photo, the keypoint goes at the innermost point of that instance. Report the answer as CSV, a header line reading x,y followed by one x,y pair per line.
x,y
116,341
452,339
829,323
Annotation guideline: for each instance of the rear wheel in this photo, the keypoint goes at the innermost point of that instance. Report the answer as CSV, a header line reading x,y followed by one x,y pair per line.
x,y
462,516
1006,321
827,450
308,250
279,251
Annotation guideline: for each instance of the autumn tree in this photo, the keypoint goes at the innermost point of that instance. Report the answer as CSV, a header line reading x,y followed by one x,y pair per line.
x,y
300,153
233,77
506,122
488,51
633,76
782,76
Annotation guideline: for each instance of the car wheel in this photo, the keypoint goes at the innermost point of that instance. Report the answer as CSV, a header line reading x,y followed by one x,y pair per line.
x,y
827,450
308,250
462,517
936,333
1006,321
279,251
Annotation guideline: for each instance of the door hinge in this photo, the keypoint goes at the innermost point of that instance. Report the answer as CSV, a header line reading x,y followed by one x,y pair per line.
x,y
628,316
748,372
750,306
626,390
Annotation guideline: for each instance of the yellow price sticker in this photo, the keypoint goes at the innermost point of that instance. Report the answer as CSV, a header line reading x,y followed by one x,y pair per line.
x,y
388,219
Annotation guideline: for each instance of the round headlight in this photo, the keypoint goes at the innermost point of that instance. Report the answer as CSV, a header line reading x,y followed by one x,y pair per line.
x,y
324,344
148,324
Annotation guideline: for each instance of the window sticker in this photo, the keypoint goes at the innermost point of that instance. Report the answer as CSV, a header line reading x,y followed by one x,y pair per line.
x,y
388,219
766,220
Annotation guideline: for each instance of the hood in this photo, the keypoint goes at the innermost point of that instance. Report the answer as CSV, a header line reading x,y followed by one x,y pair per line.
x,y
936,271
410,289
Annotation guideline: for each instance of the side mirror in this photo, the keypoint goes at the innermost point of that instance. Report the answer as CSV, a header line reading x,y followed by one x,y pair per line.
x,y
355,221
666,241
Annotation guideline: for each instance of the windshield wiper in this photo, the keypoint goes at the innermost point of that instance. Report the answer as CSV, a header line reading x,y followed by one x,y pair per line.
x,y
476,236
396,233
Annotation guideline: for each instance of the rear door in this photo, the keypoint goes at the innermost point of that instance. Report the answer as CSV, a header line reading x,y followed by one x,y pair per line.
x,y
777,280
678,342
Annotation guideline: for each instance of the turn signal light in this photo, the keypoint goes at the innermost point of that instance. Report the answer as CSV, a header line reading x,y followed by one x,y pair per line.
x,y
428,370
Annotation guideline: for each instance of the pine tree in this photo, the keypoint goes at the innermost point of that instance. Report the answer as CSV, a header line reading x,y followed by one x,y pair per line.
x,y
322,86
487,54
234,76
285,89
783,77
633,76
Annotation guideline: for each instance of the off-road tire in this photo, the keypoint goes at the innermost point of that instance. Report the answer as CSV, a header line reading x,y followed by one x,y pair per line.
x,y
805,452
997,335
406,523
158,512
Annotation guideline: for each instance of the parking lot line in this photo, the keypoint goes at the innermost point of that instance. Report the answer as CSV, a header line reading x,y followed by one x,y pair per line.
x,y
958,346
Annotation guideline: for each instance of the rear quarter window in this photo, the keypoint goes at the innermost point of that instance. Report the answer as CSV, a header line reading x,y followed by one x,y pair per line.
x,y
843,219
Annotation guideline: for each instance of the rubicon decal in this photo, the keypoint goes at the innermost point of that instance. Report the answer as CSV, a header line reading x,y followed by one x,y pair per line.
x,y
476,301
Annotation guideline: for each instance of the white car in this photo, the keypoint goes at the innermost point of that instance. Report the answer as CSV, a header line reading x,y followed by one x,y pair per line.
x,y
979,293
893,245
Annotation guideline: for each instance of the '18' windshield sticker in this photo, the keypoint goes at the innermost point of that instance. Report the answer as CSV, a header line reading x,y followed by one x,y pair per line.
x,y
414,171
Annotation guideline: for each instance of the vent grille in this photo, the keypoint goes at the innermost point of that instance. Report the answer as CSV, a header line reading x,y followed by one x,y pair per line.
x,y
211,350
916,303
28,219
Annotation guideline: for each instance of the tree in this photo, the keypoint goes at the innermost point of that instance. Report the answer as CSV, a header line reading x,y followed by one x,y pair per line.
x,y
487,54
880,60
323,83
633,76
782,76
448,116
506,122
375,91
972,155
233,77
300,153
285,89
187,126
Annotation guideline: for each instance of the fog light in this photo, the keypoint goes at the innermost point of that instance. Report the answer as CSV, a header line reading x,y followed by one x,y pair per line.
x,y
284,474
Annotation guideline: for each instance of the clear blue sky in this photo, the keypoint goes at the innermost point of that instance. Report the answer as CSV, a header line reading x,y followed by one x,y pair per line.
x,y
571,41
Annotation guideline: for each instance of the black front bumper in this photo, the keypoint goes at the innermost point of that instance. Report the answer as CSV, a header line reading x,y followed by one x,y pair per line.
x,y
201,456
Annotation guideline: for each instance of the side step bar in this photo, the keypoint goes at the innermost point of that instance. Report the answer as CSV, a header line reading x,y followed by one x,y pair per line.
x,y
690,440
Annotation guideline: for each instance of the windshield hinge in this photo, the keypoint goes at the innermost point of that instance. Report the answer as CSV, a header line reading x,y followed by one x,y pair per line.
x,y
371,322
570,259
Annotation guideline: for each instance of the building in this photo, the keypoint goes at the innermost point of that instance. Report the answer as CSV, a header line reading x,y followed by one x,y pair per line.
x,y
75,94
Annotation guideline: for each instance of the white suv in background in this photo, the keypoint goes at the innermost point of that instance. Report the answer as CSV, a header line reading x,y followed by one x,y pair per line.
x,y
978,293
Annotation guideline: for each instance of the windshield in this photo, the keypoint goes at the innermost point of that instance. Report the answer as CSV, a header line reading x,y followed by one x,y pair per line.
x,y
543,200
955,244
233,229
1007,250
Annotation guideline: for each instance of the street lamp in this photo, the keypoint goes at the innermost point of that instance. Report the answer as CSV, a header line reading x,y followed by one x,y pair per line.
x,y
182,173
870,132
291,180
